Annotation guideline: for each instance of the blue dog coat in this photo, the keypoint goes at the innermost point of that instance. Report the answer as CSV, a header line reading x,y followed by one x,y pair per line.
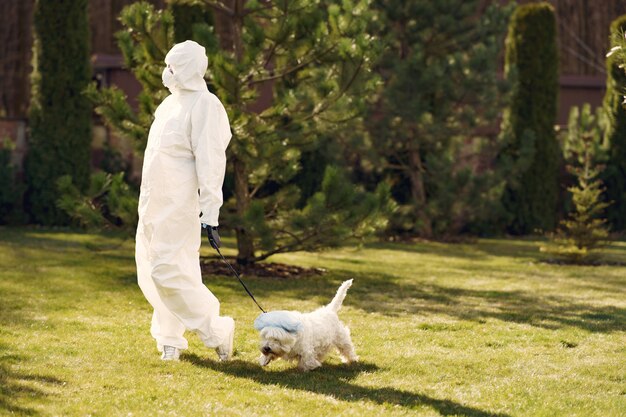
x,y
285,320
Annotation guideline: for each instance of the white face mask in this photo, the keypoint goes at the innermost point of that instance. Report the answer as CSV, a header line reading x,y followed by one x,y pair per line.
x,y
168,78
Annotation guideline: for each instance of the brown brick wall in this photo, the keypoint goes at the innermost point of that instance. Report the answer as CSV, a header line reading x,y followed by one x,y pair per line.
x,y
583,30
16,45
104,23
15,56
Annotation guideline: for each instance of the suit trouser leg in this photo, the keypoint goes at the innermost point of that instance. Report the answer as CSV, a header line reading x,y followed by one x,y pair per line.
x,y
173,279
166,328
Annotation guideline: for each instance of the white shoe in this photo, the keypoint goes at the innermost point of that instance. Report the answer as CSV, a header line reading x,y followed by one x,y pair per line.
x,y
225,350
170,353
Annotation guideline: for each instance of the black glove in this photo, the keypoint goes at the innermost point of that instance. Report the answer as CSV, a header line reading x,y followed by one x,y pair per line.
x,y
214,237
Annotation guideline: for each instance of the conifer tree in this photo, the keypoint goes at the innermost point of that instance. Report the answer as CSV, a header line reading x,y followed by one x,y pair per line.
x,y
314,58
60,115
532,61
584,231
107,204
614,176
441,89
187,15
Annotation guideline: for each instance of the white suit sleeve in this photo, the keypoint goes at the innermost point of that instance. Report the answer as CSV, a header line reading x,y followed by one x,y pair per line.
x,y
210,135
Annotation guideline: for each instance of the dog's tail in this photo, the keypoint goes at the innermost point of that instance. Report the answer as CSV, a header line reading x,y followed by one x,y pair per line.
x,y
336,303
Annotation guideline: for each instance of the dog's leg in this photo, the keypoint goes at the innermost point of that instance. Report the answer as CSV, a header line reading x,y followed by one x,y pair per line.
x,y
308,362
345,346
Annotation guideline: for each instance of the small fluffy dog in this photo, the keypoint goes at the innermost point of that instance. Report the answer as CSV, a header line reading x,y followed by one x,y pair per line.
x,y
306,337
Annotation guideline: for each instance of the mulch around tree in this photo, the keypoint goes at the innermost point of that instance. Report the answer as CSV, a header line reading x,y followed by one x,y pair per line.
x,y
216,266
409,239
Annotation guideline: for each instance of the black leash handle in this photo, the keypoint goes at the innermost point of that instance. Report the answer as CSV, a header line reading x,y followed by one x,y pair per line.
x,y
237,275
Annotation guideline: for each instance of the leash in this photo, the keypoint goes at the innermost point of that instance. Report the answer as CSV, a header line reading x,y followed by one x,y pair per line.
x,y
239,278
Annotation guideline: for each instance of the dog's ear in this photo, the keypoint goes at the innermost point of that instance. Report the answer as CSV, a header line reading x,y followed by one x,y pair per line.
x,y
276,333
285,339
285,320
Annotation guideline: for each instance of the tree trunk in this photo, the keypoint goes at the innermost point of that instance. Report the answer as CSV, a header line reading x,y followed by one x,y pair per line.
x,y
245,244
418,192
230,28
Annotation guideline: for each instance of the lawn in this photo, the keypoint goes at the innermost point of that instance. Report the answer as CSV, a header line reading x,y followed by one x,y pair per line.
x,y
481,329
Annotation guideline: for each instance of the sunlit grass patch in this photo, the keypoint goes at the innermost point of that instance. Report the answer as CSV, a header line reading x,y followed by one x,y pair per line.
x,y
480,329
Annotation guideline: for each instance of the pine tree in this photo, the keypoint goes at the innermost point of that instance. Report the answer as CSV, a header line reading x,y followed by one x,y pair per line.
x,y
614,176
585,230
532,61
441,90
314,59
187,15
107,204
60,115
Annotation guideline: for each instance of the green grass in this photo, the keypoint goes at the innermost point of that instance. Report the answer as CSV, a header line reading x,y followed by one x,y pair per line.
x,y
482,329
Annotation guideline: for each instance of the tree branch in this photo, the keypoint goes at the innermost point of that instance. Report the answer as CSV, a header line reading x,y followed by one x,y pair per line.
x,y
299,244
256,189
328,103
288,71
268,6
218,5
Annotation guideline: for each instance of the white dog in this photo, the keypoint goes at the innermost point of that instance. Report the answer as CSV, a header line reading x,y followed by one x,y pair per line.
x,y
306,337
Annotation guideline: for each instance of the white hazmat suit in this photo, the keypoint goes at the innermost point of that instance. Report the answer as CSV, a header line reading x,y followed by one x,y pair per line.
x,y
182,176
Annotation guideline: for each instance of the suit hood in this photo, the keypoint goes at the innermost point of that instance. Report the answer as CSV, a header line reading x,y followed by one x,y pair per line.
x,y
188,62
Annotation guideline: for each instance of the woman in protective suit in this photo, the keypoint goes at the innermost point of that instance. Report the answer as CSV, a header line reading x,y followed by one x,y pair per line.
x,y
182,176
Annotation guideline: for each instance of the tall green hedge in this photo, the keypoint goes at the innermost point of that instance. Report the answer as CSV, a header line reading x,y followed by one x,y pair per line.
x,y
532,62
614,176
60,115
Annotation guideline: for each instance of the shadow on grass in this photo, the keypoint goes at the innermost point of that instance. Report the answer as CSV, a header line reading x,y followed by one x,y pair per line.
x,y
475,250
15,387
333,380
383,294
550,312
